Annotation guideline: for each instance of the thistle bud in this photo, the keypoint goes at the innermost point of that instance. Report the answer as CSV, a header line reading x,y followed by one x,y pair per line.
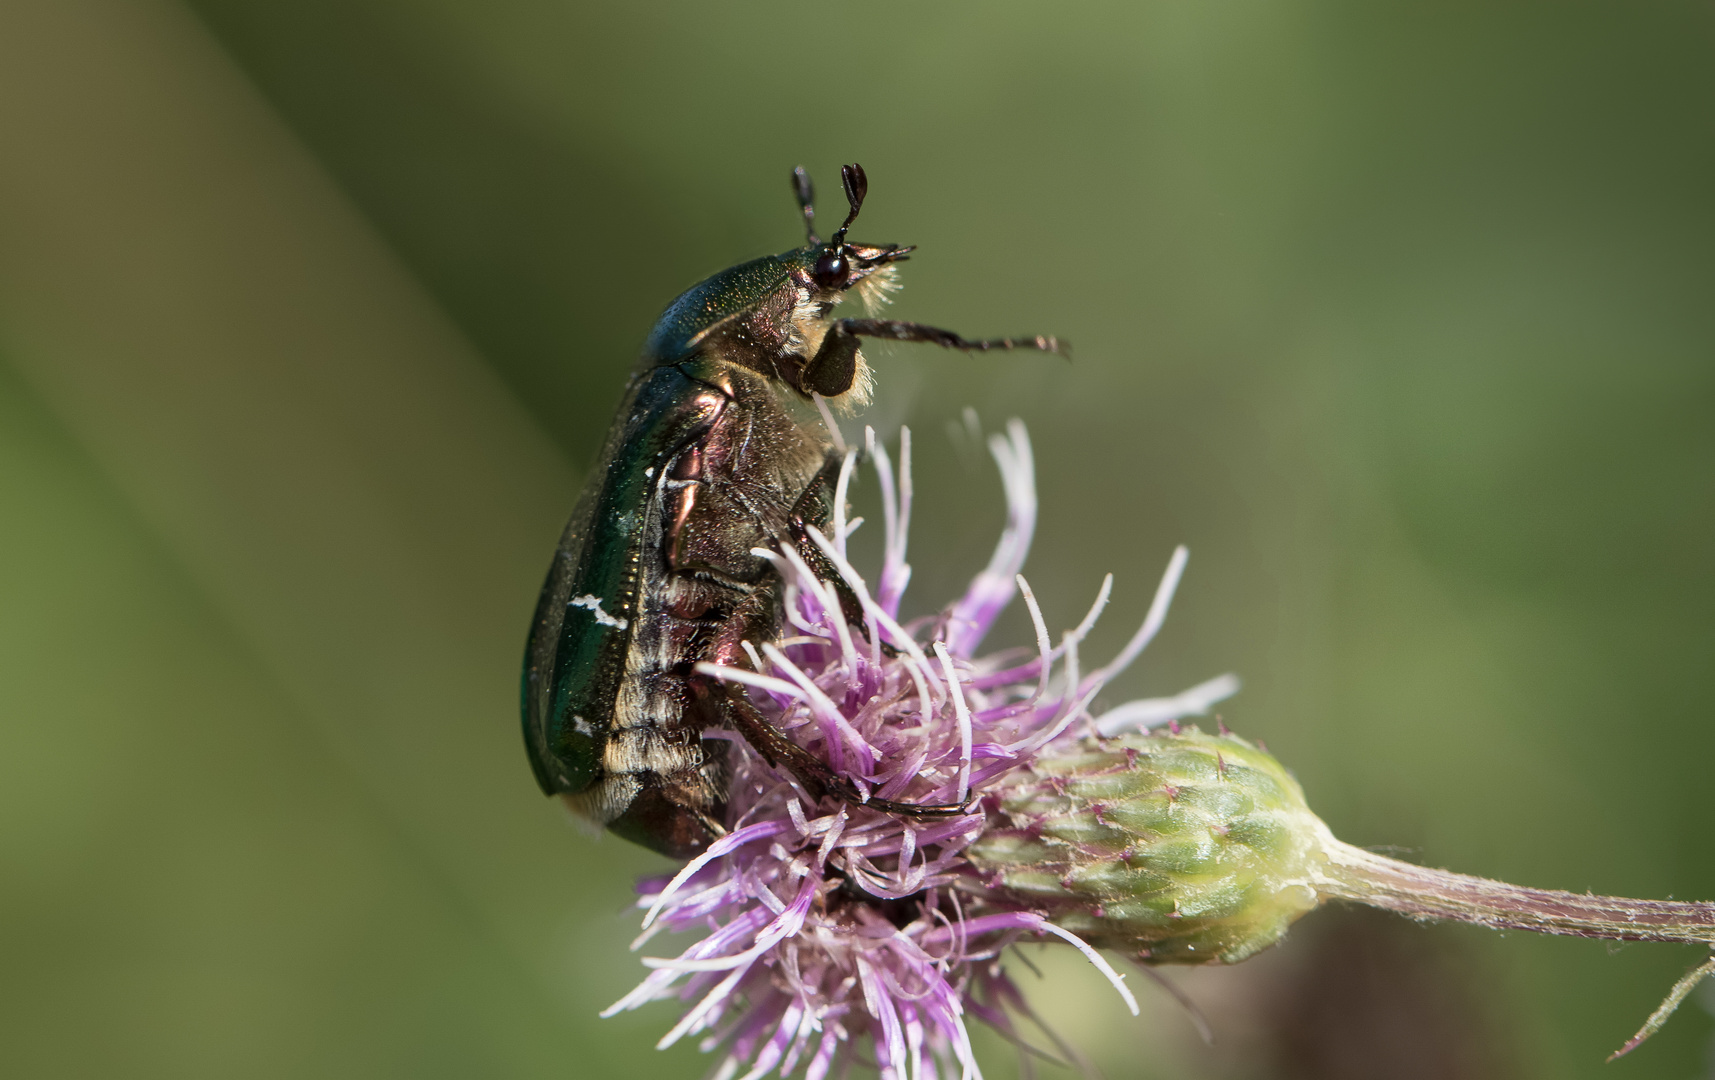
x,y
1178,847
1184,847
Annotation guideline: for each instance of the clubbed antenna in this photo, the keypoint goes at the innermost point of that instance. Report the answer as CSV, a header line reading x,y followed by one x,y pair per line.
x,y
806,193
857,186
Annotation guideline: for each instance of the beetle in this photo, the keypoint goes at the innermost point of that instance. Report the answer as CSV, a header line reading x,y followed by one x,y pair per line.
x,y
708,458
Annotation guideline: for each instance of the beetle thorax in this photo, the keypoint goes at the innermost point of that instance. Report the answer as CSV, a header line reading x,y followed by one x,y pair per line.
x,y
813,312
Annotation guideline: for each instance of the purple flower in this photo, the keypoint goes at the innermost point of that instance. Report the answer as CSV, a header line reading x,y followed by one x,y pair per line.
x,y
835,932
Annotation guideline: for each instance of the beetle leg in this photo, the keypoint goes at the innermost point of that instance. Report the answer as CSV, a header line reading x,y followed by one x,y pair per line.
x,y
778,749
663,816
895,330
834,367
811,509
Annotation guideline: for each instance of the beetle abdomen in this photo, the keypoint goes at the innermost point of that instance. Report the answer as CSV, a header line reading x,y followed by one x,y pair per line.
x,y
655,574
587,615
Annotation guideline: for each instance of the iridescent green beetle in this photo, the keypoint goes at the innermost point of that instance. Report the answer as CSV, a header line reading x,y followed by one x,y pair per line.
x,y
707,459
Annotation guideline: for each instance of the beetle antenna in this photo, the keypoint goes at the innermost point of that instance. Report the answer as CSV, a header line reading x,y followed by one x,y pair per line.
x,y
857,186
806,193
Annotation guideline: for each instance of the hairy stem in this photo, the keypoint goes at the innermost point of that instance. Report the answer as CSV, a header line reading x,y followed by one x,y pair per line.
x,y
1424,893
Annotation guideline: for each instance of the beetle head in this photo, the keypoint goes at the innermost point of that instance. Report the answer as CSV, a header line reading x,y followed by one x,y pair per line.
x,y
769,314
833,267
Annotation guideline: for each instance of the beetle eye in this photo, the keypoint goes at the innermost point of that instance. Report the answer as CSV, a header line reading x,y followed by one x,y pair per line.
x,y
830,270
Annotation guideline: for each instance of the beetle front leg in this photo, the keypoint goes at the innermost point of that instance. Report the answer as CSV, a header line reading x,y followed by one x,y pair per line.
x,y
833,369
895,330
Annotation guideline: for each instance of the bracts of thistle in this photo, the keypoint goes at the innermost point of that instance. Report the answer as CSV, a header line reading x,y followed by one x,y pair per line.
x,y
834,932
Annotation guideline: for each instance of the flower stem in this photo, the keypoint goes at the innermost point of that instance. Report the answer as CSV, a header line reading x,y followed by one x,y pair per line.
x,y
1424,893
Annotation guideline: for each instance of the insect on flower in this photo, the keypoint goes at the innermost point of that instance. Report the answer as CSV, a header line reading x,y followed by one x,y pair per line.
x,y
835,932
712,467
874,812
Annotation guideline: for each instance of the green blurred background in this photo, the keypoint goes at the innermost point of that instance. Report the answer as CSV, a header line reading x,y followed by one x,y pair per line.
x,y
313,313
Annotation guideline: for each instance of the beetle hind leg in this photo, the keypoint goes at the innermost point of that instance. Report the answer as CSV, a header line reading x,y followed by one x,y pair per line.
x,y
665,819
678,814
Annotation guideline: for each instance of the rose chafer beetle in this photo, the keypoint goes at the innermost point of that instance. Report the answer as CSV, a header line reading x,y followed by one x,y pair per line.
x,y
709,457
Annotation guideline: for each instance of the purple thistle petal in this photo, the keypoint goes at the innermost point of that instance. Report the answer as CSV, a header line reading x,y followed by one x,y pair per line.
x,y
818,1069
896,519
1149,712
991,590
962,714
1153,621
732,840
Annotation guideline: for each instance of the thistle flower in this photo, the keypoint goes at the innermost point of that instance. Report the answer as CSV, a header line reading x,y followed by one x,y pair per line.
x,y
835,932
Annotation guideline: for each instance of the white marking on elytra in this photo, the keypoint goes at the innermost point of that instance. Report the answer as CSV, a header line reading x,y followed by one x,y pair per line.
x,y
602,618
582,726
